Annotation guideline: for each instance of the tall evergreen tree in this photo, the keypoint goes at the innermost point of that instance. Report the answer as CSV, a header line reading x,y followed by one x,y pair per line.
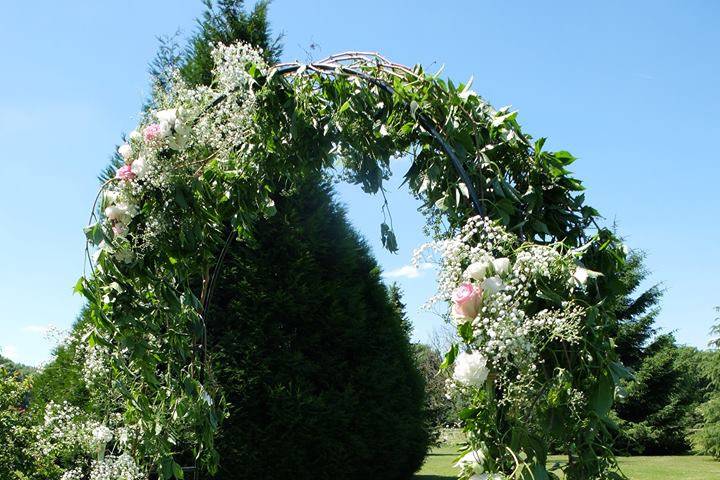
x,y
313,358
658,410
706,439
636,314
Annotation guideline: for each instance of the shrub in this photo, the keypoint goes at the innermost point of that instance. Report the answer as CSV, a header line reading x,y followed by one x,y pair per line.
x,y
313,358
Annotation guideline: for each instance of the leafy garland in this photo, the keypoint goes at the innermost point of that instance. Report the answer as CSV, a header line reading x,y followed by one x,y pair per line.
x,y
206,164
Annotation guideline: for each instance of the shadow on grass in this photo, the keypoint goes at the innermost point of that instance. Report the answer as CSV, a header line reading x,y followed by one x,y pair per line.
x,y
432,476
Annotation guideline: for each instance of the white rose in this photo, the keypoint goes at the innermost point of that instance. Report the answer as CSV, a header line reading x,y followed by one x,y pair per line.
x,y
492,285
113,213
122,212
135,135
470,369
125,151
165,129
581,275
501,265
169,116
138,167
111,196
477,270
472,461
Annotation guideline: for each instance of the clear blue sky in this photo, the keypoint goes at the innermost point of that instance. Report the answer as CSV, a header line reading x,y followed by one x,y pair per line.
x,y
631,88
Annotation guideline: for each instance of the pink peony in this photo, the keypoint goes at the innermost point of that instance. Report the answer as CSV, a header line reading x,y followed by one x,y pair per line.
x,y
152,132
125,173
466,301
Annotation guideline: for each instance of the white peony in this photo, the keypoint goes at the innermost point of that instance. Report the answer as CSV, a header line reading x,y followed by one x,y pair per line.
x,y
470,369
492,285
478,270
125,151
501,265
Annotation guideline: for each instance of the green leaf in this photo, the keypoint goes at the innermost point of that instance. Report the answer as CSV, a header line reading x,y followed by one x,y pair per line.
x,y
601,398
450,357
344,107
388,238
466,332
178,471
94,233
619,372
180,198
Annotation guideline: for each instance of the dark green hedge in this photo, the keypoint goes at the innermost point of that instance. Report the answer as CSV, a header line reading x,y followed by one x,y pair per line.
x,y
312,357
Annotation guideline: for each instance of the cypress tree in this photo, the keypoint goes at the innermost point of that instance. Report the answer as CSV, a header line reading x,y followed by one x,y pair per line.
x,y
313,357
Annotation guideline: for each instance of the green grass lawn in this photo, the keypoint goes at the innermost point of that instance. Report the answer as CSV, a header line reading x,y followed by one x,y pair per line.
x,y
438,466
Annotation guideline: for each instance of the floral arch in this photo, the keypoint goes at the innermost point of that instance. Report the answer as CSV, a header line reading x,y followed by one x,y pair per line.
x,y
529,288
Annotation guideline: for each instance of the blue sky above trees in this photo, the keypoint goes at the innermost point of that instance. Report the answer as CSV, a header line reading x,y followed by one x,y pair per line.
x,y
630,89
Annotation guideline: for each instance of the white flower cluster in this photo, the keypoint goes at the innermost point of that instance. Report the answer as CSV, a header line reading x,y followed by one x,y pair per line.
x,y
121,467
494,287
165,145
96,363
67,432
471,246
63,426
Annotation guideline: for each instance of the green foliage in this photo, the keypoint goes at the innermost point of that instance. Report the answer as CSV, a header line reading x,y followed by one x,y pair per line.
x,y
61,379
224,21
311,355
707,437
15,422
303,126
441,411
658,410
12,367
635,314
658,413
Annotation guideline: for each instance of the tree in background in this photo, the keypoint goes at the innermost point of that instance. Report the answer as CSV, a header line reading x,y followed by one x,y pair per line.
x,y
657,413
707,437
314,359
439,409
13,367
14,392
61,379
